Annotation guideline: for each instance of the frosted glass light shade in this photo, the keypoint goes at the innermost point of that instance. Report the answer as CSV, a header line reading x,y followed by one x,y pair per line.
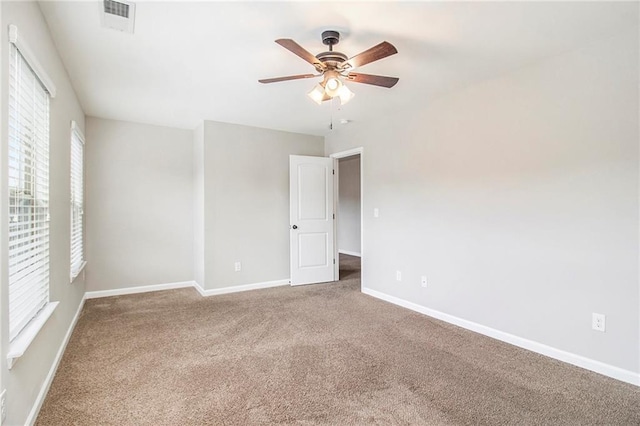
x,y
345,94
317,94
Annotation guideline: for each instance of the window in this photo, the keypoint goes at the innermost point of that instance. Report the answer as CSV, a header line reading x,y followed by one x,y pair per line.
x,y
77,204
28,182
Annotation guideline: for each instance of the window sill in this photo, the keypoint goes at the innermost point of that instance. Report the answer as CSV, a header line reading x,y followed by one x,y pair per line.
x,y
19,345
78,272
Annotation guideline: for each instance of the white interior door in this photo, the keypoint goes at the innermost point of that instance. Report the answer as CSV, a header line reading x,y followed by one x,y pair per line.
x,y
311,219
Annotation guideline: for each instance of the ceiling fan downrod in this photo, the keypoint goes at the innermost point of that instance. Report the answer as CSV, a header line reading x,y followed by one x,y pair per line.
x,y
330,38
331,59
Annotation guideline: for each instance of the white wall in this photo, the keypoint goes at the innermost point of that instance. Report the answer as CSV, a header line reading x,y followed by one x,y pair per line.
x,y
140,207
25,380
349,205
246,201
518,199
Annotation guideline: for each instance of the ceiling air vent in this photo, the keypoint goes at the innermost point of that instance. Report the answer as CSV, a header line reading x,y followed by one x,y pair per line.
x,y
118,15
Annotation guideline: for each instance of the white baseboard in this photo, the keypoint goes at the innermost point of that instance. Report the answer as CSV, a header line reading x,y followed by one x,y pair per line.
x,y
140,289
185,284
239,288
33,415
350,253
198,287
568,357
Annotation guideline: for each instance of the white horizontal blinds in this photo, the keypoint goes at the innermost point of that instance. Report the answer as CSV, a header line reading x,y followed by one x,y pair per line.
x,y
28,194
77,203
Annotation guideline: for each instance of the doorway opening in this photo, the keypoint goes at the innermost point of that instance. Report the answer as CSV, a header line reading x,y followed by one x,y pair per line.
x,y
348,207
350,272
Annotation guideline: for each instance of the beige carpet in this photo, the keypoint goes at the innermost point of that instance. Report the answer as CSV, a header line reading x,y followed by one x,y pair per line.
x,y
322,354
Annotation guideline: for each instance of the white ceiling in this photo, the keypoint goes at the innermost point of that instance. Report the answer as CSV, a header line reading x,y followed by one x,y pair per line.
x,y
189,61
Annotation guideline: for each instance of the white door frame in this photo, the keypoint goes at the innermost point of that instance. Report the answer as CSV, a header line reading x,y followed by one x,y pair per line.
x,y
336,156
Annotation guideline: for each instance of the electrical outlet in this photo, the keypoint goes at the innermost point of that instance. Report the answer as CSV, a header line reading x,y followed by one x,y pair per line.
x,y
238,266
598,322
3,406
423,281
398,276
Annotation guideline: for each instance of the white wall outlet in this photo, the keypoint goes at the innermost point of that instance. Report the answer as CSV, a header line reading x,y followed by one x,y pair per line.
x,y
598,321
376,212
423,281
3,406
398,276
237,266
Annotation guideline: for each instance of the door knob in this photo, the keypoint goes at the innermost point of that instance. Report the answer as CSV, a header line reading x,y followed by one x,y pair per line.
x,y
295,226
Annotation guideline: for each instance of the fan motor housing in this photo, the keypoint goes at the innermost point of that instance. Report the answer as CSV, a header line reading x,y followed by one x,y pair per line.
x,y
329,57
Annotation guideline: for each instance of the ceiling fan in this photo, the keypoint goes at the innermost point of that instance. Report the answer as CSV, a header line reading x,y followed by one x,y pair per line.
x,y
336,68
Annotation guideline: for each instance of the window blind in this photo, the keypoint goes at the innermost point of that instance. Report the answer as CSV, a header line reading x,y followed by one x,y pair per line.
x,y
77,201
28,182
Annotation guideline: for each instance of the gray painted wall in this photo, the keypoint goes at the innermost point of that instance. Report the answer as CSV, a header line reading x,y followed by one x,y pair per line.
x,y
246,199
349,204
168,205
3,222
140,208
198,205
24,381
518,199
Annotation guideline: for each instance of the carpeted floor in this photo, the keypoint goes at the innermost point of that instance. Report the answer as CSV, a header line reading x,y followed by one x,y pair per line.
x,y
322,354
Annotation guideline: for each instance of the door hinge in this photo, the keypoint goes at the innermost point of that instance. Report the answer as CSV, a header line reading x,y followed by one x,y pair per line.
x,y
334,171
334,261
334,216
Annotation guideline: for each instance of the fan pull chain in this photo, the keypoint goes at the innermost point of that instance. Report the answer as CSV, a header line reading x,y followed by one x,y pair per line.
x,y
331,123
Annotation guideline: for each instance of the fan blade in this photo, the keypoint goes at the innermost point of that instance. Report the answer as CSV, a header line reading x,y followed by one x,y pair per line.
x,y
376,80
377,52
294,47
290,77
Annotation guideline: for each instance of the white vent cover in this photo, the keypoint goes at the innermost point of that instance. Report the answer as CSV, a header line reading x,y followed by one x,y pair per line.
x,y
118,15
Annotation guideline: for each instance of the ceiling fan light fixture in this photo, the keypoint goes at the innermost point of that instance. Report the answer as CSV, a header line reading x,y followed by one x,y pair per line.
x,y
332,83
345,94
317,94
